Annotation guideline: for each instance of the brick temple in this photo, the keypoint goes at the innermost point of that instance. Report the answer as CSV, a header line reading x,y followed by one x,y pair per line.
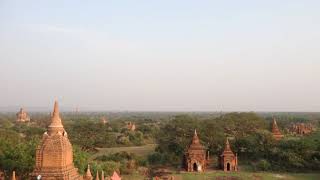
x,y
301,128
54,156
229,161
195,157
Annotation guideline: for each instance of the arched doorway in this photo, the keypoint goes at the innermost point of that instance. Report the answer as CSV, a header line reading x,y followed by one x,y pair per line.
x,y
228,166
195,167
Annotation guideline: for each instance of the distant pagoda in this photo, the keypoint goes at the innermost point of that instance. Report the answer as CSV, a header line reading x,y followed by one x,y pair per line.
x,y
22,116
54,156
275,130
195,157
104,120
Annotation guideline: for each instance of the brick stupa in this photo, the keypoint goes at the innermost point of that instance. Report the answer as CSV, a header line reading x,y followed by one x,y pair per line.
x,y
229,161
275,131
195,155
54,156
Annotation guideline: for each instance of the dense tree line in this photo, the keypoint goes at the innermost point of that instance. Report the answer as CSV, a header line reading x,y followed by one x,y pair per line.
x,y
250,137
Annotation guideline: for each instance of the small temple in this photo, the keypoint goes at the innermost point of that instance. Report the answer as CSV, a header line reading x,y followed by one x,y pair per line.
x,y
88,175
22,116
54,156
229,161
195,157
275,131
131,126
301,128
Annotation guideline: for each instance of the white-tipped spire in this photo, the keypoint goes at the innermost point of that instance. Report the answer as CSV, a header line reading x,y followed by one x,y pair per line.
x,y
13,175
56,124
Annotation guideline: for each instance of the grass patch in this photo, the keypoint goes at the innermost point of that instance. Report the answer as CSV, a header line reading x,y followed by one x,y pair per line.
x,y
142,151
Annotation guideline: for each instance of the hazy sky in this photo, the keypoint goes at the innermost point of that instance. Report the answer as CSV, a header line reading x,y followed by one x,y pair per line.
x,y
163,55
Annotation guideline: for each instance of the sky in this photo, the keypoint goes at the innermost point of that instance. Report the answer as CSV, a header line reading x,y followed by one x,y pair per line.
x,y
168,55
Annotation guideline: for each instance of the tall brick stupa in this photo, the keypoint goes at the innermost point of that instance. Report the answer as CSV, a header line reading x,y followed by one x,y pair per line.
x,y
54,156
275,130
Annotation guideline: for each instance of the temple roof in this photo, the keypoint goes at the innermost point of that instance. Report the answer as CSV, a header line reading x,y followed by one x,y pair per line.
x,y
56,124
275,129
227,149
195,143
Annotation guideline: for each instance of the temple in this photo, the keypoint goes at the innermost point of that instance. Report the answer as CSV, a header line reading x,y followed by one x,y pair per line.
x,y
229,161
301,128
54,156
275,130
22,116
195,157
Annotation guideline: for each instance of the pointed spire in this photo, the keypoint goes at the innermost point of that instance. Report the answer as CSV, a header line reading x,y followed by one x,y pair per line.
x,y
55,125
275,128
227,144
13,175
88,173
56,112
274,121
195,139
102,175
227,148
97,175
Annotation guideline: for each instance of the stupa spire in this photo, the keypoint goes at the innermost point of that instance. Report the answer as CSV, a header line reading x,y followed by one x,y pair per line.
x,y
227,146
88,173
102,175
195,139
13,175
97,176
55,125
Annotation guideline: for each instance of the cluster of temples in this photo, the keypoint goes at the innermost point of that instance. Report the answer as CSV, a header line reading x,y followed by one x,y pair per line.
x,y
301,128
88,176
196,158
54,155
